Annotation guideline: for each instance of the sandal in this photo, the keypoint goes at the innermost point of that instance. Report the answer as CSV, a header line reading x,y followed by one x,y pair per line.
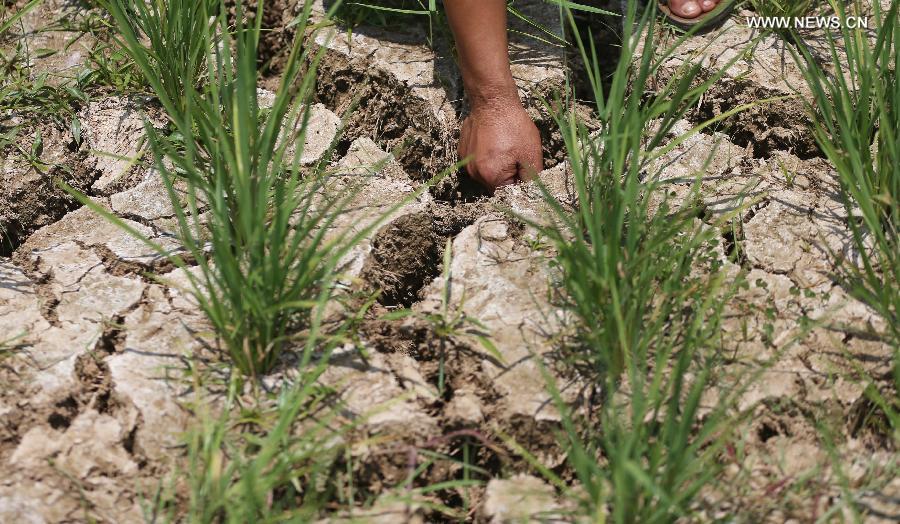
x,y
702,23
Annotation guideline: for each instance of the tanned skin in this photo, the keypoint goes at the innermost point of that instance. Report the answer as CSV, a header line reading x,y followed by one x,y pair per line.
x,y
498,137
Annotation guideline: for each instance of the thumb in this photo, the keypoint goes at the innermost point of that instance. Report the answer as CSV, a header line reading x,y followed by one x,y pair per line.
x,y
530,166
500,174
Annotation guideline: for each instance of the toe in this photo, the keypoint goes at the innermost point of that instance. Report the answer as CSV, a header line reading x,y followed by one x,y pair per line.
x,y
686,8
708,5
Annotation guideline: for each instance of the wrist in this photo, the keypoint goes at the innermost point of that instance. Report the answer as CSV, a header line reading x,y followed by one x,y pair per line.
x,y
496,94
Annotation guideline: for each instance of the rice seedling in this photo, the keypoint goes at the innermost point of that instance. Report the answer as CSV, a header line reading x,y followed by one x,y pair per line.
x,y
856,122
272,459
179,35
653,446
646,291
263,246
270,470
626,265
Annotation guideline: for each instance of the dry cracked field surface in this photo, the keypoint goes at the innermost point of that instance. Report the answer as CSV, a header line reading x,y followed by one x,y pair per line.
x,y
101,383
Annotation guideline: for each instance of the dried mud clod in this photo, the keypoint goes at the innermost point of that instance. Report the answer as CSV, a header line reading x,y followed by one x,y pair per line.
x,y
72,427
100,161
778,125
785,440
405,256
757,72
382,107
29,195
458,188
450,218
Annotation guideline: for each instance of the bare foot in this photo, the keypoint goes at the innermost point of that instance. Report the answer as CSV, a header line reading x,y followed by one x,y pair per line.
x,y
692,8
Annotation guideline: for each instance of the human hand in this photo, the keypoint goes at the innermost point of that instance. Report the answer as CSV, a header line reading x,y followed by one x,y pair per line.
x,y
501,143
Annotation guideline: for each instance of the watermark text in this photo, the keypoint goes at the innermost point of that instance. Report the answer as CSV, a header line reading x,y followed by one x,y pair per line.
x,y
807,22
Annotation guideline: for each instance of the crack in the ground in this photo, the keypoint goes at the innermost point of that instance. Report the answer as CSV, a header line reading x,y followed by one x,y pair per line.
x,y
387,110
780,125
754,209
41,202
407,252
119,267
151,224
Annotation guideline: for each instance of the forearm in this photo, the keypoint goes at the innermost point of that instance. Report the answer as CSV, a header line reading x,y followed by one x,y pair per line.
x,y
480,30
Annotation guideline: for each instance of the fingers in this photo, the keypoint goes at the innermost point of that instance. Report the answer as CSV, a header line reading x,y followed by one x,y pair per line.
x,y
498,169
493,174
531,165
497,173
501,148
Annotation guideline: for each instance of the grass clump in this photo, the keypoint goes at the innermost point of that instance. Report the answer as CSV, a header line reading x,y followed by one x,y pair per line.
x,y
266,469
641,277
254,223
270,457
22,91
784,8
856,122
8,20
179,35
626,260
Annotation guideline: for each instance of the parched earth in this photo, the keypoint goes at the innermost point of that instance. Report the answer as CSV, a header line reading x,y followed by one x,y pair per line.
x,y
95,387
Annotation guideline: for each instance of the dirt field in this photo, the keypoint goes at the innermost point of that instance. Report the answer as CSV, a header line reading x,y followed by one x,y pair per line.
x,y
102,381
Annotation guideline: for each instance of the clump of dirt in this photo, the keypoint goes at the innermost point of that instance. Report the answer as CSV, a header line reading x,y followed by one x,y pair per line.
x,y
779,125
30,197
381,107
407,253
389,336
553,146
450,218
405,256
458,188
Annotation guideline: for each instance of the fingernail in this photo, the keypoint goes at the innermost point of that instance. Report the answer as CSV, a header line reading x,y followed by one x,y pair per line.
x,y
690,8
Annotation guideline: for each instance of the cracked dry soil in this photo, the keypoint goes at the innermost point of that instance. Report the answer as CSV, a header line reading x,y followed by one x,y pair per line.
x,y
92,407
